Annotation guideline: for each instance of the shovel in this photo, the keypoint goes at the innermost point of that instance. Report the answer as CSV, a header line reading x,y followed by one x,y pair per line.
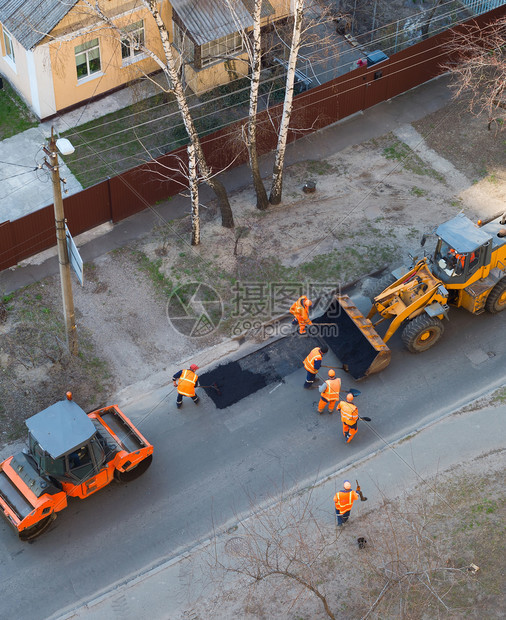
x,y
213,386
343,367
356,392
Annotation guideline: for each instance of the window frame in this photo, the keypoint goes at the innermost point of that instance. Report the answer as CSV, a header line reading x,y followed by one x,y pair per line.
x,y
134,54
183,43
7,38
86,52
208,59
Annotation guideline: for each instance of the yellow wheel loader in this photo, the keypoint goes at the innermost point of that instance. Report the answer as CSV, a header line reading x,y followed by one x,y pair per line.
x,y
468,269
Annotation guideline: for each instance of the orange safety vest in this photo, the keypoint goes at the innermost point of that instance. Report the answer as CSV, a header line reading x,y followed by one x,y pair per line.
x,y
187,381
343,500
311,359
461,258
349,412
298,309
331,392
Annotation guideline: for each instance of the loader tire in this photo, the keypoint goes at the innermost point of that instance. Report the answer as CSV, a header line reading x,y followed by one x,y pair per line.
x,y
37,528
496,301
132,474
422,333
380,285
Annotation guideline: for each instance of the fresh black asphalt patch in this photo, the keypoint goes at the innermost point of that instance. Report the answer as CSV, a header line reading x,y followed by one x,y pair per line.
x,y
236,380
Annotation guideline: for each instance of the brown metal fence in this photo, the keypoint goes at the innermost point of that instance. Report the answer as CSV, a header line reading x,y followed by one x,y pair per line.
x,y
131,192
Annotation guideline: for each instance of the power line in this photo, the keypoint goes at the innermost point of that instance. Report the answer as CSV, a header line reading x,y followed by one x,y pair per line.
x,y
328,87
13,176
149,206
9,163
176,113
221,97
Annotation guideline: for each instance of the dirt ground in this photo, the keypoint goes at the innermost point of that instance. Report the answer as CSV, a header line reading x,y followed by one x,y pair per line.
x,y
422,546
372,204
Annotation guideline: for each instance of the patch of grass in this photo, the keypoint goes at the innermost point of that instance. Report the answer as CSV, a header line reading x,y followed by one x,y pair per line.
x,y
401,152
499,396
15,117
398,151
39,369
318,167
418,191
162,284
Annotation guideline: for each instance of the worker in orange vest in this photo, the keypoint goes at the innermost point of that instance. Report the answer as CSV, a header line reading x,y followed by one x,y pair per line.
x,y
300,311
329,392
312,364
188,381
349,417
459,260
343,501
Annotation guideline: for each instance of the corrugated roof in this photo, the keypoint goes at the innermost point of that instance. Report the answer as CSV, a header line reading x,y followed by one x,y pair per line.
x,y
208,20
29,21
267,8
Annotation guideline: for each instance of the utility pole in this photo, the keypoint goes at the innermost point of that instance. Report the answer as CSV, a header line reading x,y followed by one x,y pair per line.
x,y
63,258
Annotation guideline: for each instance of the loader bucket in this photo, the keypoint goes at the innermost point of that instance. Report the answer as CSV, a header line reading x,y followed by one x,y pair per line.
x,y
357,344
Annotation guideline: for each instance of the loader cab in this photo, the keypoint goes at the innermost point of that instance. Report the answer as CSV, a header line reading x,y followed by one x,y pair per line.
x,y
462,251
64,443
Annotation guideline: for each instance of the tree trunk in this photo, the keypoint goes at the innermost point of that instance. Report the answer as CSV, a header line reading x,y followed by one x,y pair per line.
x,y
277,174
256,66
194,194
227,218
426,24
170,70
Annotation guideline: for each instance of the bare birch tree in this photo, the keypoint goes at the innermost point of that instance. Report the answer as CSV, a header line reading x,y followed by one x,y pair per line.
x,y
256,72
277,173
169,66
479,69
194,194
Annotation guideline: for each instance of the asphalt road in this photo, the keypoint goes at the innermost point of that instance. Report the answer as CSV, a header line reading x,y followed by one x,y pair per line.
x,y
210,465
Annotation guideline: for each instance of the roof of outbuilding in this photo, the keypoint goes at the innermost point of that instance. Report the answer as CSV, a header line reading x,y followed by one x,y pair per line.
x,y
208,20
29,21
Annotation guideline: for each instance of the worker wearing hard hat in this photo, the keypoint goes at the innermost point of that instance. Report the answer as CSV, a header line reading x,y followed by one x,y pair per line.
x,y
188,381
343,501
329,392
349,417
312,364
300,311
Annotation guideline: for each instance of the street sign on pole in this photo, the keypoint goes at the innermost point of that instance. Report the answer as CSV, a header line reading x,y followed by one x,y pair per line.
x,y
76,262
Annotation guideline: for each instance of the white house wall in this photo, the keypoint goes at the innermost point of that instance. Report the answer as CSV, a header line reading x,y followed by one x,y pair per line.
x,y
41,81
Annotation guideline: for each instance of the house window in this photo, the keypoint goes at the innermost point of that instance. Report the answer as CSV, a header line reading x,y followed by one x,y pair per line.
x,y
130,45
221,48
183,43
9,49
87,59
